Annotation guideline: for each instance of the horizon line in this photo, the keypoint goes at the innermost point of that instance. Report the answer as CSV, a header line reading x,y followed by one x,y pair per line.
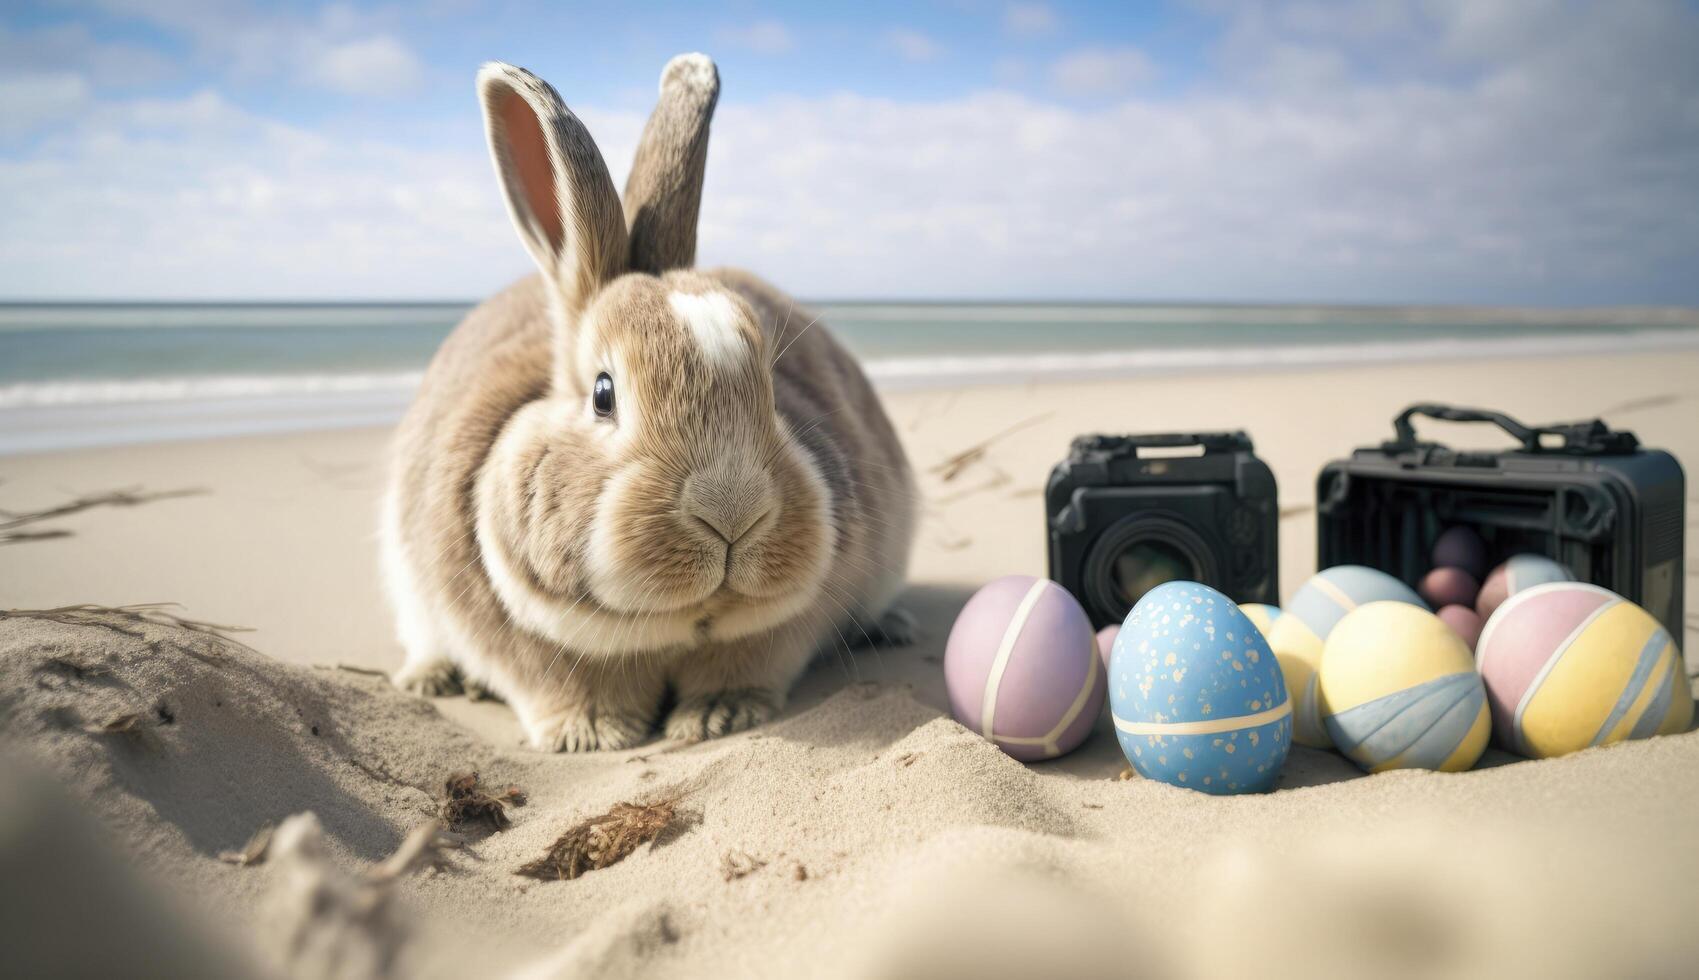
x,y
896,301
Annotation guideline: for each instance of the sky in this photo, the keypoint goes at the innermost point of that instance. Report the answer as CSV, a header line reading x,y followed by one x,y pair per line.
x,y
1530,152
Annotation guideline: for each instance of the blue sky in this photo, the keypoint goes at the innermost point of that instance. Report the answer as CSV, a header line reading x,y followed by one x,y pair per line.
x,y
1474,151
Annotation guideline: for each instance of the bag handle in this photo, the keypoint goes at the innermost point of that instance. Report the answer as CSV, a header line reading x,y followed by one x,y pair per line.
x,y
1592,436
1406,432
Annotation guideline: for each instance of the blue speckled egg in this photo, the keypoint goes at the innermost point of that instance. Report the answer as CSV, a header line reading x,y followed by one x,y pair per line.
x,y
1198,698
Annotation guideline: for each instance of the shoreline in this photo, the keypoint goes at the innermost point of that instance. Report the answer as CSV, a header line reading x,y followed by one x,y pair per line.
x,y
54,417
312,496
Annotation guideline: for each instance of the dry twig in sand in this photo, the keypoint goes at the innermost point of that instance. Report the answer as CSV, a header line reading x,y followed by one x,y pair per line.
x,y
999,478
739,864
89,614
601,841
467,802
10,520
128,723
1639,404
421,849
350,668
74,668
254,851
19,537
953,466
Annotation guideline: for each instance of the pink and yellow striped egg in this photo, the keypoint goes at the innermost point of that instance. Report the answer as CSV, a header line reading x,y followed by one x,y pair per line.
x,y
1569,666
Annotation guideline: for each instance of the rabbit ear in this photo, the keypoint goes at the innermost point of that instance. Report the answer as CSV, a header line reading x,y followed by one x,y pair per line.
x,y
664,192
558,189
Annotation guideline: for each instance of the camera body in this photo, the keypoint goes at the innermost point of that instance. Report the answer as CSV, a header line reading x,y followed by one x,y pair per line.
x,y
1126,513
1582,494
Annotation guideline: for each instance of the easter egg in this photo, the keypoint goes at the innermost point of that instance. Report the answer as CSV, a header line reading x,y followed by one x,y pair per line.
x,y
1464,621
1307,727
1461,547
1448,586
1197,697
1022,669
1106,642
1518,573
1261,615
1399,691
1299,677
1297,636
1569,665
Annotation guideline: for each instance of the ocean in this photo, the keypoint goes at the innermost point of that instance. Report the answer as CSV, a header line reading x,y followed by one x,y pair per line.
x,y
77,375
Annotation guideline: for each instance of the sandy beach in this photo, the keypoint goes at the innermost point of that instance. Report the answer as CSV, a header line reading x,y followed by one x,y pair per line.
x,y
864,833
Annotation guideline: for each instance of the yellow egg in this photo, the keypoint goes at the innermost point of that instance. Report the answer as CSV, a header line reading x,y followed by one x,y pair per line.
x,y
1399,691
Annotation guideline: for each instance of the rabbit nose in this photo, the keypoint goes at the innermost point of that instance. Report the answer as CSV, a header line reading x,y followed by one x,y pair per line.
x,y
728,504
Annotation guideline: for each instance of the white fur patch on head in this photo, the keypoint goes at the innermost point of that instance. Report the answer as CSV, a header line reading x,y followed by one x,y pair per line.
x,y
712,321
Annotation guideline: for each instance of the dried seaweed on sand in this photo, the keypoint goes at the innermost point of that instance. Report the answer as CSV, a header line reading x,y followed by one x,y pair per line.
x,y
601,841
467,802
10,520
954,466
117,618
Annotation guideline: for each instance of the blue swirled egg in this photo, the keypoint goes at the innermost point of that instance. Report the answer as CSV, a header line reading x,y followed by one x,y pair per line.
x,y
1198,698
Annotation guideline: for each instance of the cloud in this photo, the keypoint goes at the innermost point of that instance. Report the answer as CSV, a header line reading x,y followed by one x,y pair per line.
x,y
1101,71
61,48
912,45
1028,19
340,48
762,37
378,66
1549,165
31,101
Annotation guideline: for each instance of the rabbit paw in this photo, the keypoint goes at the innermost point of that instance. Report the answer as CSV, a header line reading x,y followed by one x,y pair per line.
x,y
429,678
477,691
722,713
897,627
587,731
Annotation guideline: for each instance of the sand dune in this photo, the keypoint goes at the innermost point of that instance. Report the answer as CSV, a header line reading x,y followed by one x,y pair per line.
x,y
863,834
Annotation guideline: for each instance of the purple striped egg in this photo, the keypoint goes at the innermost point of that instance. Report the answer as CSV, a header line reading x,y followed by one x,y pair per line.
x,y
1022,668
1106,642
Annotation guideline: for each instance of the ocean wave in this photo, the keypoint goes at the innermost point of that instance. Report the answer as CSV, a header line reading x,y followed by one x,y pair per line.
x,y
922,372
892,373
48,394
1601,318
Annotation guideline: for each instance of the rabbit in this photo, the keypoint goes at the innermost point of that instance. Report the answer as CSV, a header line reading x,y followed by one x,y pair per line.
x,y
627,487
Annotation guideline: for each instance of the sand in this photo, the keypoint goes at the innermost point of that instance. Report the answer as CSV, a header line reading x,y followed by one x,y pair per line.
x,y
864,833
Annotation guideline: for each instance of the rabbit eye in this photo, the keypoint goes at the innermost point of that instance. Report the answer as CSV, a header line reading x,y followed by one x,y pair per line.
x,y
602,397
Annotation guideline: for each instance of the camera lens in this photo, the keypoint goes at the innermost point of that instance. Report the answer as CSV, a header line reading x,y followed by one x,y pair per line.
x,y
1139,553
1147,564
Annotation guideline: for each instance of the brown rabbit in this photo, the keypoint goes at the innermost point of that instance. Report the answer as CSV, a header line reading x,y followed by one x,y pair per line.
x,y
622,478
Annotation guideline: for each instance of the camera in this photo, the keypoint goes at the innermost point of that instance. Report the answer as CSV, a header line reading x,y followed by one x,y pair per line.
x,y
1582,494
1128,513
